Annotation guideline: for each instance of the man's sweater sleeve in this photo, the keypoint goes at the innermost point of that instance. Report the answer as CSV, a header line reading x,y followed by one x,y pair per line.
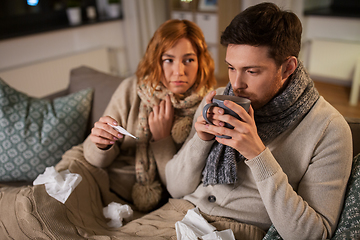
x,y
184,170
311,211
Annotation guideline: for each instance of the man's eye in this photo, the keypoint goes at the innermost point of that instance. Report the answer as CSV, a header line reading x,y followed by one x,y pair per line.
x,y
231,68
252,72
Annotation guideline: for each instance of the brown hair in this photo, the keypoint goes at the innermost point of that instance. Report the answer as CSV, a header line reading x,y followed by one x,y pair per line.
x,y
150,67
265,24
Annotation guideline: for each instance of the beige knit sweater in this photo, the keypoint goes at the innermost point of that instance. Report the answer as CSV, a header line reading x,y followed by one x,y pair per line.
x,y
297,183
119,160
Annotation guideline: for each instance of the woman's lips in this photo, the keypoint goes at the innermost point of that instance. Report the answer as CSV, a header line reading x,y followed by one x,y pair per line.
x,y
178,82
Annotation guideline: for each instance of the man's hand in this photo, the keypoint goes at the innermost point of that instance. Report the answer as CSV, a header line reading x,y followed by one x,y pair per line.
x,y
102,134
161,119
244,136
202,127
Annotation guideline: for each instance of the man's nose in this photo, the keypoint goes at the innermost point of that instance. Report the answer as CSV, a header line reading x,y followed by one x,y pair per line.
x,y
239,82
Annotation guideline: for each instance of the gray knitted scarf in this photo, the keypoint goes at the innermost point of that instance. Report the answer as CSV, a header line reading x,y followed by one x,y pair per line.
x,y
271,120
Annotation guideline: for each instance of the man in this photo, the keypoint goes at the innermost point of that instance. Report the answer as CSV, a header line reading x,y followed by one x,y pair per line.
x,y
289,157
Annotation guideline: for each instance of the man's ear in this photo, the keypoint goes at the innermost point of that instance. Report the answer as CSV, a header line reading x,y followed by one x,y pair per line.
x,y
288,67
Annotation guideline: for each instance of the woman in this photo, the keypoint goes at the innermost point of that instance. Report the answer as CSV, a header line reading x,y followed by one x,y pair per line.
x,y
157,106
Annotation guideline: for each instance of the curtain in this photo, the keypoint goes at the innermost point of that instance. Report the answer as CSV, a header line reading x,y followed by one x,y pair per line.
x,y
141,19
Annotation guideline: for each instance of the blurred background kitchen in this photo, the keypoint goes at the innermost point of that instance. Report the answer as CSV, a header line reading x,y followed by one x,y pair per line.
x,y
40,41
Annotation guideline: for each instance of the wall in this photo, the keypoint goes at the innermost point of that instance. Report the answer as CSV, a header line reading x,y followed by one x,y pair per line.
x,y
33,52
331,47
125,39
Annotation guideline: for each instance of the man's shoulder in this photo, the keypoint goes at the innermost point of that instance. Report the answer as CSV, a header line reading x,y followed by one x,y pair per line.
x,y
323,113
220,90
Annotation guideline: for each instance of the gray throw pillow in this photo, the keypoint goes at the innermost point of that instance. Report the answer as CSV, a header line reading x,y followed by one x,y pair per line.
x,y
34,132
104,86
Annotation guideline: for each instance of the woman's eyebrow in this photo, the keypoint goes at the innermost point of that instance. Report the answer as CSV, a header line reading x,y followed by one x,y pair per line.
x,y
168,55
185,55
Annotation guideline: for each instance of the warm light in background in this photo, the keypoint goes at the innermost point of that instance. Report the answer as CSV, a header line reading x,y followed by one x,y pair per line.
x,y
32,2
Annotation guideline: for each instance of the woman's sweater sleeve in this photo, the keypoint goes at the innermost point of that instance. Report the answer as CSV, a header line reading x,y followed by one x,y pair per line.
x,y
119,109
163,151
184,170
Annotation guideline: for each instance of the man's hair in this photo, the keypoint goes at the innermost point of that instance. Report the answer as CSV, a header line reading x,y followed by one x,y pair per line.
x,y
150,67
267,25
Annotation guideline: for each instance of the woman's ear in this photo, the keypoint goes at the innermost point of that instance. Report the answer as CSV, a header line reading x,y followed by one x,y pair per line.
x,y
288,67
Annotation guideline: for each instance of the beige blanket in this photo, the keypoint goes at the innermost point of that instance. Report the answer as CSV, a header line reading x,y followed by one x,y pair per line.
x,y
30,213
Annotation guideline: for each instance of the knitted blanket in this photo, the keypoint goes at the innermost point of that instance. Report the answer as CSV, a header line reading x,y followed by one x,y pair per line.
x,y
30,213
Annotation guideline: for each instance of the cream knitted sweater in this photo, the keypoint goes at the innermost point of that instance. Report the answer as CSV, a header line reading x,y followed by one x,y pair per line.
x,y
119,160
297,183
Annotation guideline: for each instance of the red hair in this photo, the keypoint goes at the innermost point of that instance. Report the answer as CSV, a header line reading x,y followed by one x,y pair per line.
x,y
150,67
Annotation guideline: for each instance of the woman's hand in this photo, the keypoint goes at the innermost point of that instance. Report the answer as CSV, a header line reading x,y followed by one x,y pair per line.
x,y
161,119
102,134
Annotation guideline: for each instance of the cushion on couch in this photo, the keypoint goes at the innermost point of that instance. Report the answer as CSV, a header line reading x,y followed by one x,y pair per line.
x,y
36,132
104,86
349,223
354,124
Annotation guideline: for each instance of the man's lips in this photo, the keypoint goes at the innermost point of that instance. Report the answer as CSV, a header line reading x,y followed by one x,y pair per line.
x,y
242,95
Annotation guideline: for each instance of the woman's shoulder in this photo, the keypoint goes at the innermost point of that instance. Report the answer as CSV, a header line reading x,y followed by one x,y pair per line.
x,y
129,81
127,84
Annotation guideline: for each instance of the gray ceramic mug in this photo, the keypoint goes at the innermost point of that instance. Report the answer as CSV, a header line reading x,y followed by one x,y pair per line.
x,y
218,101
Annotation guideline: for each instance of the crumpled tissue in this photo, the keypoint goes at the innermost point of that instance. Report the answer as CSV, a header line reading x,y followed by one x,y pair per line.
x,y
194,226
58,185
117,212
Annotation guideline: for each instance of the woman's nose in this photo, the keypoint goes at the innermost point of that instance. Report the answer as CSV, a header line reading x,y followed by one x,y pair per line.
x,y
179,68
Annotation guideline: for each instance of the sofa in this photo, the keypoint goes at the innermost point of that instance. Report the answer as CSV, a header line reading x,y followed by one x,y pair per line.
x,y
89,92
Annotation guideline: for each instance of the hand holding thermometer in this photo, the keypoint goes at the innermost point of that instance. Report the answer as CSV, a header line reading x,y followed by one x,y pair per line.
x,y
122,131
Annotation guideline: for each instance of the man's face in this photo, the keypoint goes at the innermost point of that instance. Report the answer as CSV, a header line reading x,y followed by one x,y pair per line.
x,y
253,74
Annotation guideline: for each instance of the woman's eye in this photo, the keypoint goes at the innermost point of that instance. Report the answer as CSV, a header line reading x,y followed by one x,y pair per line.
x,y
231,68
168,60
189,60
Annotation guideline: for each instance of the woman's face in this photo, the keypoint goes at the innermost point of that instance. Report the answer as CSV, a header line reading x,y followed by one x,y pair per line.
x,y
180,66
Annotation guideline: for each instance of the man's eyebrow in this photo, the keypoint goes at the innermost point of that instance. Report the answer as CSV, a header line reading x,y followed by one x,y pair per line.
x,y
247,67
227,62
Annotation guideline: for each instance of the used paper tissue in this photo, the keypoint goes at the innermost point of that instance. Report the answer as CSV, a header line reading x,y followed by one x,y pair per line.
x,y
194,227
117,212
58,185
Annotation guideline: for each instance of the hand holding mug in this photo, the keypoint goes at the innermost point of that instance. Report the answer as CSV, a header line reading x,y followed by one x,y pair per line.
x,y
218,101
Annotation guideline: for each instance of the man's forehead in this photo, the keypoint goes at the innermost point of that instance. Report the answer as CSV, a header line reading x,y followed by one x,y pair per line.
x,y
247,55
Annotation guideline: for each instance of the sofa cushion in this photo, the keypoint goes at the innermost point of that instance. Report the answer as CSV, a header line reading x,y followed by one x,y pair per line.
x,y
36,132
354,124
104,86
349,223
